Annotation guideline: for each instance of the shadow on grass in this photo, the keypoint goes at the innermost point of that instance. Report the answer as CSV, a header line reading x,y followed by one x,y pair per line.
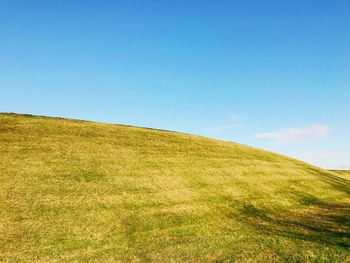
x,y
329,177
336,182
322,223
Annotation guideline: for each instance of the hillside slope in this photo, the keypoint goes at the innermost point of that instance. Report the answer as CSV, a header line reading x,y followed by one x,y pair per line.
x,y
82,191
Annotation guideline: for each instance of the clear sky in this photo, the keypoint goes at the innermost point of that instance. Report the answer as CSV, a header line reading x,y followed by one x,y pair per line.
x,y
272,74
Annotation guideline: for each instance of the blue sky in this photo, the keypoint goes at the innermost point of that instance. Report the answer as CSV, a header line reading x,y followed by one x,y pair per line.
x,y
272,74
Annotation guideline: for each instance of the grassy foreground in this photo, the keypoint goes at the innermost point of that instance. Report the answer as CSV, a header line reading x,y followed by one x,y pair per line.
x,y
81,191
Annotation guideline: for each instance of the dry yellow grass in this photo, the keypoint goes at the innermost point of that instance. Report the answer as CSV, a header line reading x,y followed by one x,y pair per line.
x,y
82,191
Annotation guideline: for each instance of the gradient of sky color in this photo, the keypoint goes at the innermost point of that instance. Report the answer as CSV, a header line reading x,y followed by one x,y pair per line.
x,y
271,74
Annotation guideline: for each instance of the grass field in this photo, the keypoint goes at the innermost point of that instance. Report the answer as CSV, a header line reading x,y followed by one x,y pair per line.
x,y
82,191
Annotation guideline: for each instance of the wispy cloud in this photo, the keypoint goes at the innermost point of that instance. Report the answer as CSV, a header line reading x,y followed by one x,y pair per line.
x,y
233,123
226,127
234,117
296,134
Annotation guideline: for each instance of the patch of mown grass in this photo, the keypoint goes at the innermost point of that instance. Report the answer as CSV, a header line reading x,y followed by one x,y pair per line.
x,y
83,191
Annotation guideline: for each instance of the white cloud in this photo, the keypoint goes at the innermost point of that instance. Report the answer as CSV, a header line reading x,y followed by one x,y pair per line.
x,y
296,134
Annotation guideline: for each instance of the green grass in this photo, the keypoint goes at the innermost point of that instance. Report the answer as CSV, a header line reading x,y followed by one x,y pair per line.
x,y
82,191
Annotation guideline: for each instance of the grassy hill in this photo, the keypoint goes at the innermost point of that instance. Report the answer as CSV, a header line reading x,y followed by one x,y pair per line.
x,y
81,191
